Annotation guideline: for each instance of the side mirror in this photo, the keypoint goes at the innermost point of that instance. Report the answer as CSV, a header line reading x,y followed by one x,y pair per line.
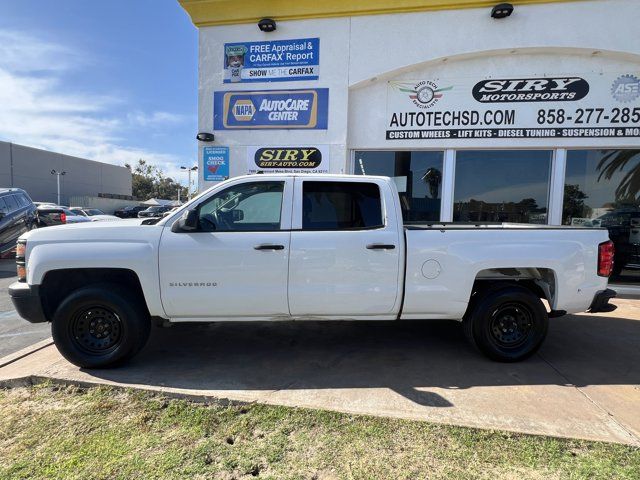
x,y
237,215
187,223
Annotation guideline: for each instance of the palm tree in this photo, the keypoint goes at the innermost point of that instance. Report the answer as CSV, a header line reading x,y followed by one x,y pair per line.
x,y
616,160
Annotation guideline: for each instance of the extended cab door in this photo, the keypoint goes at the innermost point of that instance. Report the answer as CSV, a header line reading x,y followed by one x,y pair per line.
x,y
236,264
346,249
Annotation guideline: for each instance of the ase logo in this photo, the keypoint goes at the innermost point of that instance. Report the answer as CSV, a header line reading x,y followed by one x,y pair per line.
x,y
626,88
424,94
243,110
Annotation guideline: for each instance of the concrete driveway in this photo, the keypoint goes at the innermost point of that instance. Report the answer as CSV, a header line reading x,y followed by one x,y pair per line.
x,y
584,383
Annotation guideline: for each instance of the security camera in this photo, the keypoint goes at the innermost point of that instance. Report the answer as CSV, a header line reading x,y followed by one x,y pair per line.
x,y
502,10
267,25
205,137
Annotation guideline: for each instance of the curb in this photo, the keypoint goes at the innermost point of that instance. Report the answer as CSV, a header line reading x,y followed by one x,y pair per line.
x,y
25,352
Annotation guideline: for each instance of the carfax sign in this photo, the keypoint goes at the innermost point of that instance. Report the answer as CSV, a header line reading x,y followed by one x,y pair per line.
x,y
274,61
587,105
215,161
276,109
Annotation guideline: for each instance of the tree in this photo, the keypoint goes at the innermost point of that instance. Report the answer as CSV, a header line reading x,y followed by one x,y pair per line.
x,y
613,161
574,206
148,181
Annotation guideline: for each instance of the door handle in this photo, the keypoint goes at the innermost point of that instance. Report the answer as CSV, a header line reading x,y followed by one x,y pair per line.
x,y
269,247
380,246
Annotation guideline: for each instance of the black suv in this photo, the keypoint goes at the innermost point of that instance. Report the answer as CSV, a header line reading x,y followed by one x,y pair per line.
x,y
129,212
17,215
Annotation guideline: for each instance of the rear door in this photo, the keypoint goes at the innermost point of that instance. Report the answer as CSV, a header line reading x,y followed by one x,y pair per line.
x,y
346,250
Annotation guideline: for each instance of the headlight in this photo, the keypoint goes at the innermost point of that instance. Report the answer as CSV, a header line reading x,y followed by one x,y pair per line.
x,y
21,249
21,265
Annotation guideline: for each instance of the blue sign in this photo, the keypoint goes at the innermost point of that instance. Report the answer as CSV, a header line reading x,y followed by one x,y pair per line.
x,y
274,61
215,162
278,109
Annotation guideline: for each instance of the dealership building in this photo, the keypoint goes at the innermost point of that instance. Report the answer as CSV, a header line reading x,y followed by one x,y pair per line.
x,y
527,112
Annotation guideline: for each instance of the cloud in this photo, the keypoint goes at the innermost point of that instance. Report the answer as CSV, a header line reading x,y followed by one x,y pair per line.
x,y
142,119
37,110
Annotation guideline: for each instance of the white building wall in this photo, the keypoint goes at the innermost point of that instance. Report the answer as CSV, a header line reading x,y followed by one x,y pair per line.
x,y
359,55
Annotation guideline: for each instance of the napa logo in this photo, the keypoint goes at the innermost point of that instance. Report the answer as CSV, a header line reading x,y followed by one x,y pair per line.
x,y
282,109
626,88
243,110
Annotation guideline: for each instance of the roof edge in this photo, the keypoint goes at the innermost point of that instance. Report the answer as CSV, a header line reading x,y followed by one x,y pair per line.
x,y
205,13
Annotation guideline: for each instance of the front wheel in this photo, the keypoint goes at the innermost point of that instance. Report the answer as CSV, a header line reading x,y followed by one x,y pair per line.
x,y
100,326
508,324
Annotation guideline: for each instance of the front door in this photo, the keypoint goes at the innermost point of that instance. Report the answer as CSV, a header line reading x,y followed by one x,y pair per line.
x,y
236,264
345,250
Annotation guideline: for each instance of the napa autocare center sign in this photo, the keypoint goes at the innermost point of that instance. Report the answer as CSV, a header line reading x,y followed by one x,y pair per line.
x,y
215,163
271,109
279,159
551,106
273,61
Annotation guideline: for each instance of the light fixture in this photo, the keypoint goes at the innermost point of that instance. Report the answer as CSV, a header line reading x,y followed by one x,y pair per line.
x,y
502,10
205,137
267,25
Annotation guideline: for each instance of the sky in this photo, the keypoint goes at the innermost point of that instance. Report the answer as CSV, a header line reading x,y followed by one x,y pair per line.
x,y
108,80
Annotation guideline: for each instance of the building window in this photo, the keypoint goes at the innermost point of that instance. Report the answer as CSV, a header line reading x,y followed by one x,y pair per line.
x,y
502,186
418,176
602,189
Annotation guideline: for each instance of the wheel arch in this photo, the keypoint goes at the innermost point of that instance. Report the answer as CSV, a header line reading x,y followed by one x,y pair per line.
x,y
58,284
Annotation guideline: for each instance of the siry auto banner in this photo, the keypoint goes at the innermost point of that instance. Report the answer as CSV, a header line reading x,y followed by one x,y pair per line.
x,y
550,106
278,159
277,109
272,61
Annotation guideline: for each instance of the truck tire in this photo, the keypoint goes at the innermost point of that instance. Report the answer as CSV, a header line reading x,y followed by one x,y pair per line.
x,y
507,324
100,326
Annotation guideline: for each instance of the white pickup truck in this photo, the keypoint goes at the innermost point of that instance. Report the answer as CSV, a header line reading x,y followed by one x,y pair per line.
x,y
309,247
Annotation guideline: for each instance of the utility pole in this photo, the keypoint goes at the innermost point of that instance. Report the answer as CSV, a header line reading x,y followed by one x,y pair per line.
x,y
189,170
58,175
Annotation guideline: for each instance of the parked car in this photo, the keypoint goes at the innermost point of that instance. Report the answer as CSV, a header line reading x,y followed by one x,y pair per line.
x,y
93,214
51,215
129,212
287,247
17,215
154,211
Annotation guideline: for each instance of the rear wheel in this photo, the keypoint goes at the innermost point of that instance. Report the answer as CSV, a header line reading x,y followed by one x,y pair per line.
x,y
507,324
100,326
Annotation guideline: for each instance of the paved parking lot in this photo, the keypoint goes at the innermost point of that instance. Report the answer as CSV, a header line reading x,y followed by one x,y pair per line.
x,y
584,383
15,333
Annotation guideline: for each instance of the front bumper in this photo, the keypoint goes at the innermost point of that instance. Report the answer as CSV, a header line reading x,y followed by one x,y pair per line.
x,y
26,299
601,302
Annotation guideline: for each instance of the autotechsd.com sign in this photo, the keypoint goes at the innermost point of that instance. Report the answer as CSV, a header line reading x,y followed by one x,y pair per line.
x,y
554,106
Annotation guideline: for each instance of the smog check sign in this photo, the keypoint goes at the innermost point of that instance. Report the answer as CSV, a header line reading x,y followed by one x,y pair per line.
x,y
271,109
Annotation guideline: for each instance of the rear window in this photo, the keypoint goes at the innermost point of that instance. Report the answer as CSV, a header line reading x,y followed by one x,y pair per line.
x,y
341,206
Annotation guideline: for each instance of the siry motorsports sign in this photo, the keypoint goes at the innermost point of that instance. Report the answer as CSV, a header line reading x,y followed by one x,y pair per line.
x,y
288,159
563,106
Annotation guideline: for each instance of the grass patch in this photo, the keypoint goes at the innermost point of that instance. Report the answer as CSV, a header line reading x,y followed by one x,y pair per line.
x,y
71,433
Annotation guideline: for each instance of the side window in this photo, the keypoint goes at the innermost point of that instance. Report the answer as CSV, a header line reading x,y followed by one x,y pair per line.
x,y
253,206
21,199
341,206
12,204
3,206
